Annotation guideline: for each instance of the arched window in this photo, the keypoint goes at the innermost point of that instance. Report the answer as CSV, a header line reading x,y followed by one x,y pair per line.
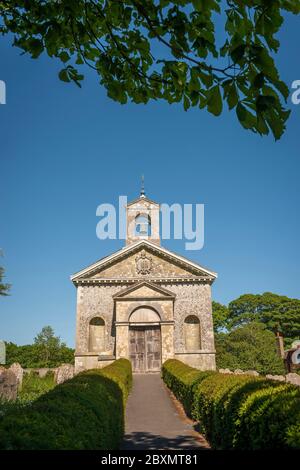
x,y
97,335
142,225
192,335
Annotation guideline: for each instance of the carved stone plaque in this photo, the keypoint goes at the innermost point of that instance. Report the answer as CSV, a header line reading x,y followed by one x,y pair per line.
x,y
143,263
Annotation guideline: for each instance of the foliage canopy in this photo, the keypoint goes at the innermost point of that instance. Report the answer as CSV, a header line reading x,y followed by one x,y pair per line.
x,y
47,351
250,347
202,53
276,312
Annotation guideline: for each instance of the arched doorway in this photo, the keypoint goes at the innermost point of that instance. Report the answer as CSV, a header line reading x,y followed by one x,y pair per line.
x,y
145,340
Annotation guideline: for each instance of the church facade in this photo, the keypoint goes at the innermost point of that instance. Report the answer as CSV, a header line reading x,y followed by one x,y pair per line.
x,y
144,302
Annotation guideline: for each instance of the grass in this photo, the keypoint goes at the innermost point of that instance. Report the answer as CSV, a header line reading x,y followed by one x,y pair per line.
x,y
34,386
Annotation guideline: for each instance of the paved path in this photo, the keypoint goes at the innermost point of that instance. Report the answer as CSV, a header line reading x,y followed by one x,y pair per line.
x,y
155,421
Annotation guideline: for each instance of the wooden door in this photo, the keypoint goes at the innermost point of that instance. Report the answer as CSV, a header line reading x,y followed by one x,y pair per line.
x,y
145,348
153,348
137,349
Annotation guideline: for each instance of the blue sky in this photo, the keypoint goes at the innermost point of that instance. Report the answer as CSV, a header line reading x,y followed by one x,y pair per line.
x,y
64,151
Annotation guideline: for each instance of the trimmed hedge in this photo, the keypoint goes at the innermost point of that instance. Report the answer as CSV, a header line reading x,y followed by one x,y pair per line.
x,y
238,411
182,380
86,412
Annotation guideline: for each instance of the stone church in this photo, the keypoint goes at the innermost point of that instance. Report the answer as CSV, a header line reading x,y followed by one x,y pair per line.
x,y
144,302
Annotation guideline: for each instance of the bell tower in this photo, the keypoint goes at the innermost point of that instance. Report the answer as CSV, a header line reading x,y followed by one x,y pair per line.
x,y
142,217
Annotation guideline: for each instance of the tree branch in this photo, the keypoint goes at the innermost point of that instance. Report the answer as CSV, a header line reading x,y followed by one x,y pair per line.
x,y
206,67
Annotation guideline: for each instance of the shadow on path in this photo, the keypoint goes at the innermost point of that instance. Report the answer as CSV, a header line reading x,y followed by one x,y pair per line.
x,y
154,419
149,441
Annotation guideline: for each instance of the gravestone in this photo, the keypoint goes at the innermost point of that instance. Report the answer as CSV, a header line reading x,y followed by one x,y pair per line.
x,y
17,369
8,384
238,372
252,372
293,379
63,373
279,378
225,371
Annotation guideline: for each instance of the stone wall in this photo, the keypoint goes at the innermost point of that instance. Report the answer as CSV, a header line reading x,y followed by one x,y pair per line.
x,y
147,208
192,299
199,361
288,378
91,361
95,301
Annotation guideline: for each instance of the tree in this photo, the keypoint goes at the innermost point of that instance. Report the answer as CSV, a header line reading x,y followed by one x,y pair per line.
x,y
47,343
27,355
147,50
250,347
4,288
277,312
47,351
49,347
220,317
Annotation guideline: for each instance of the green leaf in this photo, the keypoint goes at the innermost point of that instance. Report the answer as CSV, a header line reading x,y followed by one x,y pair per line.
x,y
64,56
266,64
259,80
241,112
238,53
35,47
261,125
214,101
276,123
64,75
282,87
232,96
206,78
116,92
263,103
186,103
246,118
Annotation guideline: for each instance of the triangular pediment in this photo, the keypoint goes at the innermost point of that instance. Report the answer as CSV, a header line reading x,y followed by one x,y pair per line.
x,y
143,260
142,201
144,290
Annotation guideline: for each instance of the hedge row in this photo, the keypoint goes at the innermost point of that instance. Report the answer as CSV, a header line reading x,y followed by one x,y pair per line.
x,y
238,412
86,412
182,380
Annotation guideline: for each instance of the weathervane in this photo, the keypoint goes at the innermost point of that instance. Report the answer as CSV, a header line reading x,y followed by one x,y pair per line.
x,y
143,187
